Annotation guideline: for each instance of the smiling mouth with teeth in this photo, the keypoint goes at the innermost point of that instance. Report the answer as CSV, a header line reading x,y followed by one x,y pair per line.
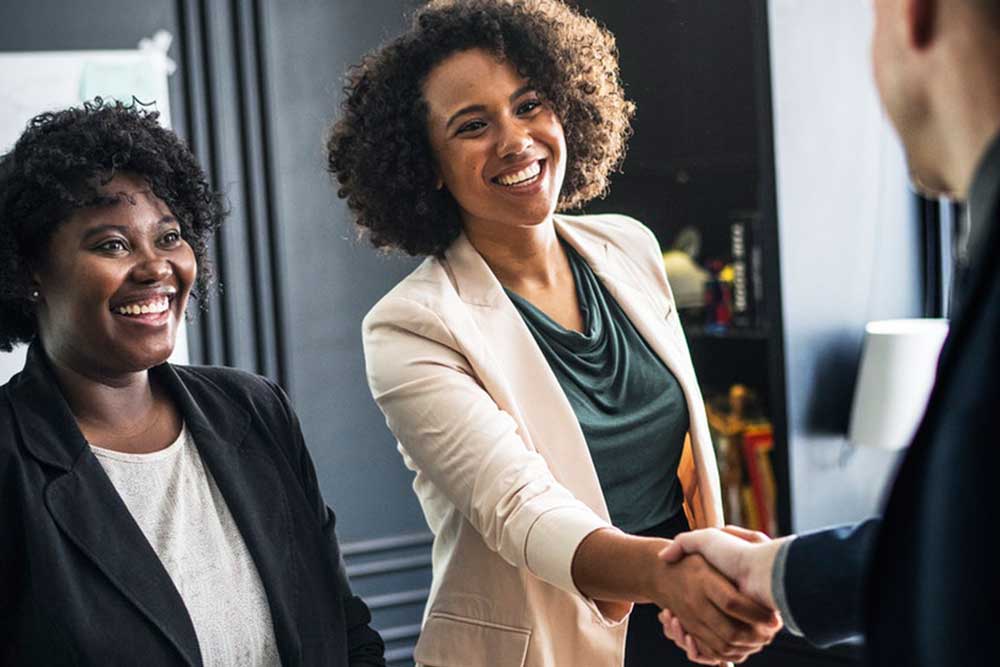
x,y
524,177
153,306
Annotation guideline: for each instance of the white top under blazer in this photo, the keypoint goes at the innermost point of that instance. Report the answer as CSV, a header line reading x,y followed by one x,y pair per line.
x,y
174,499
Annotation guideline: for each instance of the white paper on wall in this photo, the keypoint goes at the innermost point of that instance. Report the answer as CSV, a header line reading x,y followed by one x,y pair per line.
x,y
35,82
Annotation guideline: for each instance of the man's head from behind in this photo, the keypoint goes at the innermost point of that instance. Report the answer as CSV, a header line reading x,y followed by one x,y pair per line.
x,y
937,67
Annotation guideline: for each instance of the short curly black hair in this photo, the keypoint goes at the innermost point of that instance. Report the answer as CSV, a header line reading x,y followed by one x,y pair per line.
x,y
379,150
58,166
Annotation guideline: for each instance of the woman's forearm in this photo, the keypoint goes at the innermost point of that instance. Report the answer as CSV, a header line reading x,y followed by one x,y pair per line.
x,y
612,566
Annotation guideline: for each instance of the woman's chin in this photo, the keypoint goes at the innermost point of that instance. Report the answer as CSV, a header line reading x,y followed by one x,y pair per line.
x,y
138,359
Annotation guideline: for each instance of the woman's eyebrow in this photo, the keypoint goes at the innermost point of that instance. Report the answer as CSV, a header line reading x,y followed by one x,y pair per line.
x,y
464,110
482,107
100,229
121,229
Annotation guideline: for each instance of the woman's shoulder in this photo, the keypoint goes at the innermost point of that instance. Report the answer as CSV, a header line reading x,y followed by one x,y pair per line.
x,y
223,376
416,297
619,229
232,383
634,240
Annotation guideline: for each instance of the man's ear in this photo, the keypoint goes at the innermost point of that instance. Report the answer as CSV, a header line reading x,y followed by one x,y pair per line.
x,y
921,19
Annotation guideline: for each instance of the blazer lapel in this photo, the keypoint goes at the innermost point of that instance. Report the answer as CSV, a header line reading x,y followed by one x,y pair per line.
x,y
86,507
254,493
515,372
973,294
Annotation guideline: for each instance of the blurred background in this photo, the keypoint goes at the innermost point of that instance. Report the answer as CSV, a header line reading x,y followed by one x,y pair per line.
x,y
760,159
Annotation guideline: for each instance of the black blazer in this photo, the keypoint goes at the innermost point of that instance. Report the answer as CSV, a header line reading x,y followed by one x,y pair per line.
x,y
79,583
924,585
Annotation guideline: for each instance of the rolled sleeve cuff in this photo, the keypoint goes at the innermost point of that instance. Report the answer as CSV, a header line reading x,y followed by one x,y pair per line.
x,y
778,588
552,543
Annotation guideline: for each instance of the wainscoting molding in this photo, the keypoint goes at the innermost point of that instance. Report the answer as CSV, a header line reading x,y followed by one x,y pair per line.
x,y
392,575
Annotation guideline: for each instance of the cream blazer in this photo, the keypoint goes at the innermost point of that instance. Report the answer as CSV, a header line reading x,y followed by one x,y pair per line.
x,y
503,472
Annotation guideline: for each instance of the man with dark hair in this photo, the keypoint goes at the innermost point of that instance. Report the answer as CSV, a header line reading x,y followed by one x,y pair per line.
x,y
920,584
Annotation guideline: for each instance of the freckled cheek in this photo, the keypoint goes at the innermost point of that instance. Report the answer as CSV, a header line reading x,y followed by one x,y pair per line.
x,y
463,173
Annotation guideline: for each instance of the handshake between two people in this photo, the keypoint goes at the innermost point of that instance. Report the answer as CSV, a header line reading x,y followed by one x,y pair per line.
x,y
745,623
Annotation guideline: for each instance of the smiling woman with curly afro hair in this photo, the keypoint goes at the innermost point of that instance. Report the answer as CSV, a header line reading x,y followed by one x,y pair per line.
x,y
379,150
129,483
59,165
532,368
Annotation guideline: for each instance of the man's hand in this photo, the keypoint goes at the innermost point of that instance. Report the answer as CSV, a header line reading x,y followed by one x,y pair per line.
x,y
745,557
727,625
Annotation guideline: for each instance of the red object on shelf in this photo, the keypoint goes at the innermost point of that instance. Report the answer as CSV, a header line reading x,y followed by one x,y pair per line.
x,y
758,440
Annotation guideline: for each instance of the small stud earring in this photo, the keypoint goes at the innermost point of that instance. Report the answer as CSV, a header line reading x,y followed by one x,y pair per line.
x,y
34,295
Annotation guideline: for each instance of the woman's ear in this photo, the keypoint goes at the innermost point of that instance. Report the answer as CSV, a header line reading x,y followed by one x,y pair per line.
x,y
35,288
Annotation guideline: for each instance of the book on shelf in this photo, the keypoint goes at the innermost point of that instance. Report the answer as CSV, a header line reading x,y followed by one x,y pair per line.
x,y
743,440
747,263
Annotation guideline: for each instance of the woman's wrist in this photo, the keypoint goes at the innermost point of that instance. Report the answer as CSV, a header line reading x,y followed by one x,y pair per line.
x,y
659,586
612,565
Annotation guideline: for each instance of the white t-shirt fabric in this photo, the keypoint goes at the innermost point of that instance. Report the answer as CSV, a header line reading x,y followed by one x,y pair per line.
x,y
175,501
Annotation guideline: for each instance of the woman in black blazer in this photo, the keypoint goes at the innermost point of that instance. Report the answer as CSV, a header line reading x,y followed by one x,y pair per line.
x,y
149,513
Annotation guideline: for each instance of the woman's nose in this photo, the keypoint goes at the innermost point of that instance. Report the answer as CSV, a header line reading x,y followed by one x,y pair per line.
x,y
151,269
514,139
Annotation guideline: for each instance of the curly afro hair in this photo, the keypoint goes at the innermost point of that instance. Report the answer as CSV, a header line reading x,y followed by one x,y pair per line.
x,y
58,166
379,150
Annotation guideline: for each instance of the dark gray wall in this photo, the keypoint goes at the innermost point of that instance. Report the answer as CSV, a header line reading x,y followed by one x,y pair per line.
x,y
331,280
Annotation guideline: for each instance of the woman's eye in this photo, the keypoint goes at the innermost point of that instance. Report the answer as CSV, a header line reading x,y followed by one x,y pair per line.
x,y
113,245
170,239
471,126
529,106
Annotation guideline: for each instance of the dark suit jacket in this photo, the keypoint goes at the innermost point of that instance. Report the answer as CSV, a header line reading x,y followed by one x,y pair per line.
x,y
79,583
924,586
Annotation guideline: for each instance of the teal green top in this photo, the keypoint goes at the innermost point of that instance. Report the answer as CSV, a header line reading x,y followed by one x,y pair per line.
x,y
629,405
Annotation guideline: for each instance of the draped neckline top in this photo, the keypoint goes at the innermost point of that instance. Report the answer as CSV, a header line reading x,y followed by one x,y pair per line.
x,y
630,407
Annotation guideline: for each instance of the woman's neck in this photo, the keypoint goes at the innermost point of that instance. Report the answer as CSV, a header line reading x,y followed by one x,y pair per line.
x,y
101,403
524,259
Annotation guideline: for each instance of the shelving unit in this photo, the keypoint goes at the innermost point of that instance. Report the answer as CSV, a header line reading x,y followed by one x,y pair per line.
x,y
702,151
